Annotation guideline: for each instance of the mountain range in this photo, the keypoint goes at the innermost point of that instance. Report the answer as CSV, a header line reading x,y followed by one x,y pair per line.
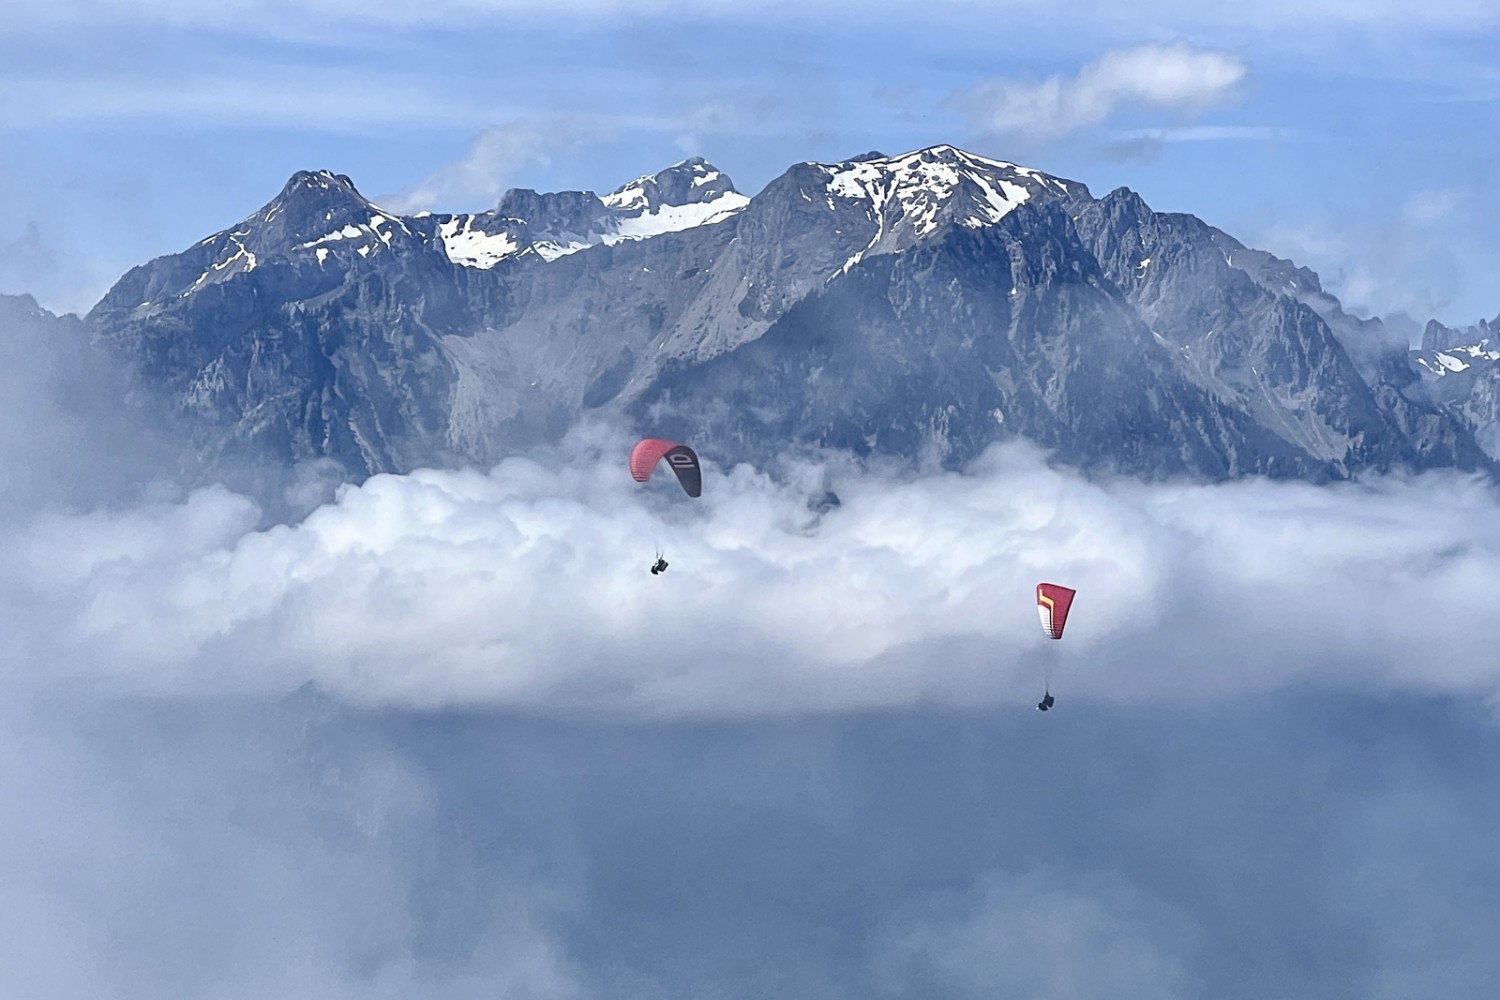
x,y
922,306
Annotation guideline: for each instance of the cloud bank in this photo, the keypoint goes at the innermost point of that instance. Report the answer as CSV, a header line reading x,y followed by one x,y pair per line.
x,y
526,587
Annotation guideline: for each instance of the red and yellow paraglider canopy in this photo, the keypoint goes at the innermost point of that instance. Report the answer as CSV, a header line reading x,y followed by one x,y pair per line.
x,y
1052,604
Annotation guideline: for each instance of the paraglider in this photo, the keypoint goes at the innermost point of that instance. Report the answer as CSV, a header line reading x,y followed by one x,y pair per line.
x,y
648,454
1052,604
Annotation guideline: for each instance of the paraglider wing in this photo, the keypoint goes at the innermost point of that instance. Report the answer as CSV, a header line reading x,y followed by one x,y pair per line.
x,y
1052,604
683,460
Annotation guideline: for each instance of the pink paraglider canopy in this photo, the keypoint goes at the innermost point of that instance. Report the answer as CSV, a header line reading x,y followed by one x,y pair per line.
x,y
683,460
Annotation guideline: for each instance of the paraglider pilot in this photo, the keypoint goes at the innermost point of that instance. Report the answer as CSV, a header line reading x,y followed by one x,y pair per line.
x,y
660,566
1046,702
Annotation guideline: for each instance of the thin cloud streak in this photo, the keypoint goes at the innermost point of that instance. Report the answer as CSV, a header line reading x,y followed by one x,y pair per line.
x,y
307,98
1209,133
273,16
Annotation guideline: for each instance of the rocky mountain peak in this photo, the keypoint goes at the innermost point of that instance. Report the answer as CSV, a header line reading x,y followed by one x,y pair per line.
x,y
318,184
561,212
313,204
980,190
1437,337
913,195
694,181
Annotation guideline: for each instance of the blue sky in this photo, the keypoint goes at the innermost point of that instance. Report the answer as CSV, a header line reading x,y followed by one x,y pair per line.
x,y
1355,138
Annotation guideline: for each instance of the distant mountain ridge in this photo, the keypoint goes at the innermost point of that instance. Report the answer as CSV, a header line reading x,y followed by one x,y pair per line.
x,y
922,305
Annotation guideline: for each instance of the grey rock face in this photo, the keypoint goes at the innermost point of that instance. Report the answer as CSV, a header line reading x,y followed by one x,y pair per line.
x,y
1460,369
308,330
566,212
1259,334
922,305
1437,337
975,335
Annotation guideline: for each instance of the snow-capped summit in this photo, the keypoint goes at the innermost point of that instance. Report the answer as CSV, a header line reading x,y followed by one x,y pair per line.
x,y
693,181
686,195
912,195
313,207
321,214
941,173
317,220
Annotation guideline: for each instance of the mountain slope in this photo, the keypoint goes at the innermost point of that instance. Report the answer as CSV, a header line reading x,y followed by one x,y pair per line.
x,y
1262,349
922,305
973,336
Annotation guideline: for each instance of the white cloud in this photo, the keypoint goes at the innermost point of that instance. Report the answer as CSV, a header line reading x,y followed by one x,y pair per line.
x,y
527,587
1176,77
482,175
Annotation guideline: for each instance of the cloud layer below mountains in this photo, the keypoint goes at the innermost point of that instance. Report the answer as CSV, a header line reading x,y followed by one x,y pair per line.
x,y
526,587
804,762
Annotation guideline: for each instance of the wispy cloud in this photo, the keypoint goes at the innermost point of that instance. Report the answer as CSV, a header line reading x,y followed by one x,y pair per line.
x,y
1208,133
1381,266
335,100
271,16
1429,206
481,176
1147,144
1171,77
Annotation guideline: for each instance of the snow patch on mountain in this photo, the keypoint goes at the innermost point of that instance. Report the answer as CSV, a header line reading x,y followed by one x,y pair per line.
x,y
379,230
553,249
1453,359
911,195
682,197
233,258
473,247
676,218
